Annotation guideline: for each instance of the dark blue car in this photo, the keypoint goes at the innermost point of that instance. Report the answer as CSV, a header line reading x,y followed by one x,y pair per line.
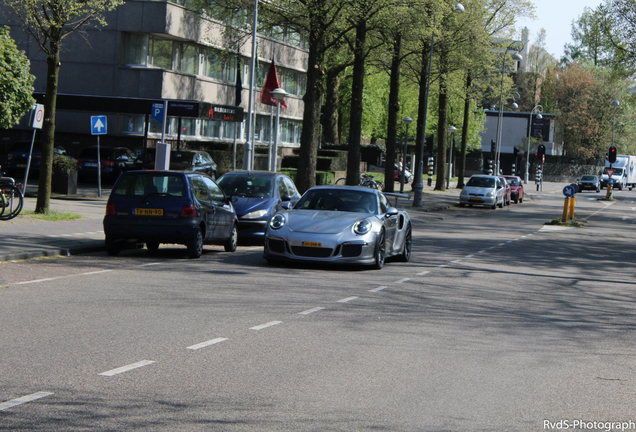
x,y
154,207
257,195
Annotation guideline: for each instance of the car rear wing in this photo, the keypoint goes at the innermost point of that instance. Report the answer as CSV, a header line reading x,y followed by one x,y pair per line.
x,y
397,195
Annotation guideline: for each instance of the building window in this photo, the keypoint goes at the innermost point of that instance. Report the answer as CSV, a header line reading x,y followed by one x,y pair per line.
x,y
219,66
136,50
211,128
187,59
160,53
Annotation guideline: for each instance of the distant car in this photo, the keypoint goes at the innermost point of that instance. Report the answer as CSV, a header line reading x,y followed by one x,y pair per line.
x,y
256,196
589,182
516,186
193,160
113,161
508,193
18,156
154,207
486,190
339,225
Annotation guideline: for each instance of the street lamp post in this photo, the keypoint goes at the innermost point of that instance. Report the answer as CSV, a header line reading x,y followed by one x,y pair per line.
x,y
539,116
407,121
418,184
515,56
452,131
278,94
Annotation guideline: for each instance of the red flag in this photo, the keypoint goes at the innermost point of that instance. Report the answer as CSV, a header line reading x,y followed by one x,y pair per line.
x,y
271,83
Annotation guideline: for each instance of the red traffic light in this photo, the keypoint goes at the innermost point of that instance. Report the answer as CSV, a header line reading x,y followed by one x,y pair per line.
x,y
611,154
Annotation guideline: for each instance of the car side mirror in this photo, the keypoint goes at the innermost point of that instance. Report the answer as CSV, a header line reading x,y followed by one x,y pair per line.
x,y
392,211
233,199
286,205
285,197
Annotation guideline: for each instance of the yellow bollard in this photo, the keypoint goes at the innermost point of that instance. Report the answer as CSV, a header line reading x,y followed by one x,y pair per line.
x,y
572,203
566,203
609,191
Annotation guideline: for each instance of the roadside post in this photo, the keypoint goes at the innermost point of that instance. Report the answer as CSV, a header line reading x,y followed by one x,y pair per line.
x,y
162,153
572,204
569,192
98,127
37,118
610,182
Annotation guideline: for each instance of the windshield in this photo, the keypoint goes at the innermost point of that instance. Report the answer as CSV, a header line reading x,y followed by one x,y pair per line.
x,y
338,200
485,182
143,184
588,178
247,186
512,181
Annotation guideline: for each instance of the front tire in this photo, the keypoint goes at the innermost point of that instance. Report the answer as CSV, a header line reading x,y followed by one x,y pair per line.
x,y
195,246
380,251
232,242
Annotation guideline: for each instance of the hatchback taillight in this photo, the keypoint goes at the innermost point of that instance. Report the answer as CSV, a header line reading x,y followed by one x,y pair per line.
x,y
188,210
108,163
110,209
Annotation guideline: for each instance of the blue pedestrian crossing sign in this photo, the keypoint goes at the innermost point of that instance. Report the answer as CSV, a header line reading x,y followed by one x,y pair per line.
x,y
98,125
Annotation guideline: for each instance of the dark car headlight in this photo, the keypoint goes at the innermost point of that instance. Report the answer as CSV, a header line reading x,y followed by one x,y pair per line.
x,y
277,222
362,227
255,214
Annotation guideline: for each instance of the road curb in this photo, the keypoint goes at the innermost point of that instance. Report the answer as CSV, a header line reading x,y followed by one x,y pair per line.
x,y
41,253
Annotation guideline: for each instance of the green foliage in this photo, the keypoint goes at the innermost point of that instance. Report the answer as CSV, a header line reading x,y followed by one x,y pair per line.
x,y
63,164
322,177
16,83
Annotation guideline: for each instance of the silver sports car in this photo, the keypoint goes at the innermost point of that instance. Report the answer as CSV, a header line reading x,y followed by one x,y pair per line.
x,y
340,224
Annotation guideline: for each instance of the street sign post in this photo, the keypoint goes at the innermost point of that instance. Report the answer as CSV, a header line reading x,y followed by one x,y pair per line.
x,y
99,127
37,119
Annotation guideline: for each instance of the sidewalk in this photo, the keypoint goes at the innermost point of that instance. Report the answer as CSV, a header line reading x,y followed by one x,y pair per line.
x,y
28,238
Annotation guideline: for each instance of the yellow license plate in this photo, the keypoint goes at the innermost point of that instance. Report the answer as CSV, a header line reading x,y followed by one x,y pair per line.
x,y
312,244
148,212
475,199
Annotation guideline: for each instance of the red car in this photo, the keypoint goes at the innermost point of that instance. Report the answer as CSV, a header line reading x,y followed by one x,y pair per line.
x,y
516,188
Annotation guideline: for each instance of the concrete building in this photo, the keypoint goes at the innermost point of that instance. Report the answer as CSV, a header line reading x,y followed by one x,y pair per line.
x,y
152,51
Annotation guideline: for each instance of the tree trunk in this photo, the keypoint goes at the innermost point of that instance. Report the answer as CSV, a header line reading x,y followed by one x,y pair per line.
x,y
48,130
310,136
357,90
394,108
462,158
330,108
442,125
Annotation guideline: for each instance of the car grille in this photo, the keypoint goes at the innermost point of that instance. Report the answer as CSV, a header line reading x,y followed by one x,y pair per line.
x,y
312,252
277,246
351,250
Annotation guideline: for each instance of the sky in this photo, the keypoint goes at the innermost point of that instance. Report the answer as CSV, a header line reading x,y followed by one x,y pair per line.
x,y
556,17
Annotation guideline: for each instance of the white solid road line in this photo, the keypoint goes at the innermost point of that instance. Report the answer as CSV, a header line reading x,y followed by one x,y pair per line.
x,y
345,300
62,277
378,289
206,343
269,324
23,399
127,368
310,311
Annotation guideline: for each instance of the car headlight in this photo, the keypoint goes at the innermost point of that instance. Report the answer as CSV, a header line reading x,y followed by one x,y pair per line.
x,y
255,215
463,192
490,194
362,227
277,222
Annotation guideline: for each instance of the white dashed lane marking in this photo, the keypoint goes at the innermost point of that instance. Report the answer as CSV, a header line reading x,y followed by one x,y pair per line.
x,y
310,311
264,326
23,400
346,300
206,343
126,368
378,289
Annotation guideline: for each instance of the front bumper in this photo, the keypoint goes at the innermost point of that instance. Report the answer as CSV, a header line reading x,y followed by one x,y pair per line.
x,y
486,201
333,249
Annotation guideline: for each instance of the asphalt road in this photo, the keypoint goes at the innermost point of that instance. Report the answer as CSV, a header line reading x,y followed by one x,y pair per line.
x,y
499,322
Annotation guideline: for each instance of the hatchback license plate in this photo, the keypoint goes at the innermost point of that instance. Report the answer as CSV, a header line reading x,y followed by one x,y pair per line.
x,y
312,244
148,212
475,199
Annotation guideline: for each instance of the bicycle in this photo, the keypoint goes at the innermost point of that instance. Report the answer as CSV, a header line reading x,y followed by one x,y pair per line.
x,y
365,180
11,199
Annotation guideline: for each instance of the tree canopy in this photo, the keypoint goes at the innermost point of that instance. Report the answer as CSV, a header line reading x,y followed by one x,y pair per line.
x,y
16,82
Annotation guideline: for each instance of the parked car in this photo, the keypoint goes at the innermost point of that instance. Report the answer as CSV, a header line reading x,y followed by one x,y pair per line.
x,y
340,225
481,189
589,182
154,207
192,160
256,196
18,156
516,186
113,160
508,193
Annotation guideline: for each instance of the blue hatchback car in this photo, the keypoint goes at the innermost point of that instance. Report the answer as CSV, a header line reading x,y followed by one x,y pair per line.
x,y
154,207
257,196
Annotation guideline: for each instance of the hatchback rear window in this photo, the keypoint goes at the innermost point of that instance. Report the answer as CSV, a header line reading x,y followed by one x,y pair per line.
x,y
150,183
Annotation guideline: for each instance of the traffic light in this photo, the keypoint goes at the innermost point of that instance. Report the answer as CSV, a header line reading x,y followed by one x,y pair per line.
x,y
611,154
536,156
541,150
